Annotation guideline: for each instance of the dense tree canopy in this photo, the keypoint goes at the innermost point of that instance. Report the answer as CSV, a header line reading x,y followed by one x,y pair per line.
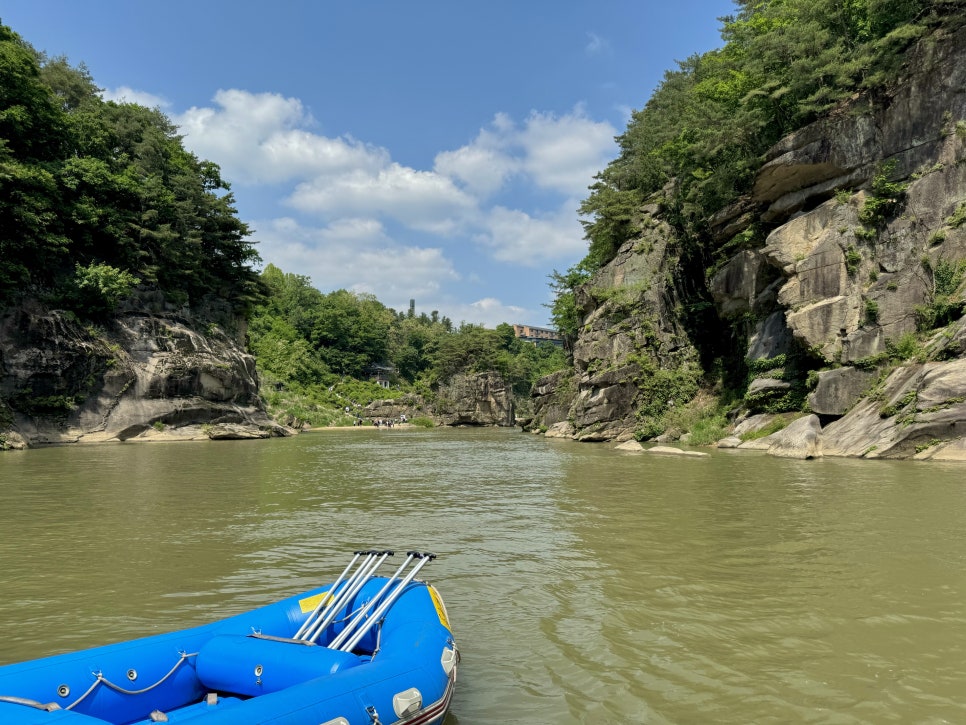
x,y
304,337
85,182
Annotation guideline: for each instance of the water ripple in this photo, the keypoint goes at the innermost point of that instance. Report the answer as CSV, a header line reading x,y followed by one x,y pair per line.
x,y
584,586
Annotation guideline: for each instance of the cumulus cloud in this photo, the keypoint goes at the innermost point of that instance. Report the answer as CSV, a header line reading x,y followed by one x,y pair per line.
x,y
488,312
556,153
358,255
482,166
516,236
265,138
341,196
422,200
565,153
124,94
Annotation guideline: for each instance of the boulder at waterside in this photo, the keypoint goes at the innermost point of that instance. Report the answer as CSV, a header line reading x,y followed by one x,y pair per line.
x,y
475,399
672,451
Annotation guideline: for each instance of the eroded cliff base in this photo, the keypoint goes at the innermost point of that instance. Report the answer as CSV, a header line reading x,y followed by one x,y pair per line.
x,y
137,376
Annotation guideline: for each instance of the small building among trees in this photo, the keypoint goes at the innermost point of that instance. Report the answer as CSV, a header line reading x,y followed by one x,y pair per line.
x,y
535,335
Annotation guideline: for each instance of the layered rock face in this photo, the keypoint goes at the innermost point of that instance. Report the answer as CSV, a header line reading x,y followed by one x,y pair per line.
x,y
475,399
467,399
139,377
631,335
855,281
852,285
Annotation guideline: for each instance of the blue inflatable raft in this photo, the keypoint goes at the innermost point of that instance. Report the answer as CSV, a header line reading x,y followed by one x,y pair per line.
x,y
364,650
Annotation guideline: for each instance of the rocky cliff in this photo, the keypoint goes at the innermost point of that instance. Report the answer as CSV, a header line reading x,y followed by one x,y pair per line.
x,y
851,310
137,376
466,399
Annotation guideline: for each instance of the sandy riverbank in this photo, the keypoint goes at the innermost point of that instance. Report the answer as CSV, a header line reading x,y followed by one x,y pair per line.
x,y
356,427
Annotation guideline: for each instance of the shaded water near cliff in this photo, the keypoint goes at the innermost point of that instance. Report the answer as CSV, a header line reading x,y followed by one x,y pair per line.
x,y
585,585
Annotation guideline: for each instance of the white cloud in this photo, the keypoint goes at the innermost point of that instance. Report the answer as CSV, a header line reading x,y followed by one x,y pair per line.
x,y
358,255
565,153
557,153
268,138
421,200
516,236
124,94
262,138
488,312
596,45
344,195
482,166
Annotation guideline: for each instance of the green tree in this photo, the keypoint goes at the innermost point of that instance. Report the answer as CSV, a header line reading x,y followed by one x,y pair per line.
x,y
84,181
71,86
100,287
472,348
351,332
33,134
283,353
563,310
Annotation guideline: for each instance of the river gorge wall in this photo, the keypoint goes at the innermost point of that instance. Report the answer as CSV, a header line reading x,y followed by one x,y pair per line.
x,y
846,314
141,375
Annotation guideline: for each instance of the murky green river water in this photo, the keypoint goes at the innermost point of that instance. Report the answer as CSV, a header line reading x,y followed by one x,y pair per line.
x,y
585,585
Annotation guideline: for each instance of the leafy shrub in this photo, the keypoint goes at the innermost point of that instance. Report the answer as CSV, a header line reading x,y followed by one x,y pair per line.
x,y
852,260
661,390
871,312
763,365
885,198
958,217
100,287
942,307
905,348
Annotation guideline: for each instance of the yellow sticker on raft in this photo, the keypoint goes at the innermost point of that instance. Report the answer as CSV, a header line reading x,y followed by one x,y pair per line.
x,y
310,603
440,607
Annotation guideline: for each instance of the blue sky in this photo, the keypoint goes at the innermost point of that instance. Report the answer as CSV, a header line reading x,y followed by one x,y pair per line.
x,y
426,150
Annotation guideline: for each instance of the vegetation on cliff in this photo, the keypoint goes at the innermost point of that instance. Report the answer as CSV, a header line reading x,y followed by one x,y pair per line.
x,y
97,197
699,140
782,234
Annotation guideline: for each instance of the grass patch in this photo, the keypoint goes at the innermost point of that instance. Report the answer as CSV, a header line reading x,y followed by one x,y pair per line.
x,y
852,260
704,418
708,431
944,305
958,217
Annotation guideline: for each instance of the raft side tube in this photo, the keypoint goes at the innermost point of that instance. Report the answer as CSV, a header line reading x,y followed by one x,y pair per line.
x,y
250,666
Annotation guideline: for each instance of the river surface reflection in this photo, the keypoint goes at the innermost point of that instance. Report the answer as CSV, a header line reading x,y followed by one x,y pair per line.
x,y
584,584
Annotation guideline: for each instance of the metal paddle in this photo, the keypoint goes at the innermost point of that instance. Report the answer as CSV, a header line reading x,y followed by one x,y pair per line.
x,y
330,596
348,592
337,598
384,607
360,615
